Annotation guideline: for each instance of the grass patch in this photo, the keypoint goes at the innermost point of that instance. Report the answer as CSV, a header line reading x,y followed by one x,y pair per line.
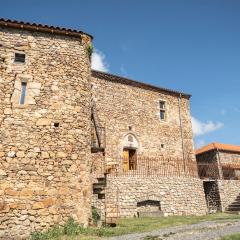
x,y
149,224
73,231
232,237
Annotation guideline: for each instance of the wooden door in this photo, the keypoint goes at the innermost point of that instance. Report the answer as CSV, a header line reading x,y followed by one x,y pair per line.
x,y
125,160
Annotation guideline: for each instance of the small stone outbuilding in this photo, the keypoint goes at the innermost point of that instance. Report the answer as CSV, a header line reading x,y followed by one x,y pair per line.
x,y
219,167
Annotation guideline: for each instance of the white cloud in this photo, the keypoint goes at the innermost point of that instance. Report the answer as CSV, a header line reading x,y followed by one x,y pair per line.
x,y
98,61
201,128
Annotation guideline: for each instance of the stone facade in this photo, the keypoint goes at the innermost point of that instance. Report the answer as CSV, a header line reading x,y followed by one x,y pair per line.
x,y
229,157
223,156
130,114
222,160
219,165
47,169
176,196
229,191
125,109
45,142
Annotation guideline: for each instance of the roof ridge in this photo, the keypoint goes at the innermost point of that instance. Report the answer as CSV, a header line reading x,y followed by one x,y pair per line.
x,y
128,80
218,146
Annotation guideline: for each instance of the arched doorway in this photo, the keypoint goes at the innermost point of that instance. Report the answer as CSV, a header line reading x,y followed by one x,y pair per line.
x,y
130,147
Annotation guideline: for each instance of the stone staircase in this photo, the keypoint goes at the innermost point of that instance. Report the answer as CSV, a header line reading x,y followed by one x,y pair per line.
x,y
234,207
111,210
99,187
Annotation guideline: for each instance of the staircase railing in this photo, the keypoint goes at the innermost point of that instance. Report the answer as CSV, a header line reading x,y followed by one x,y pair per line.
x,y
149,166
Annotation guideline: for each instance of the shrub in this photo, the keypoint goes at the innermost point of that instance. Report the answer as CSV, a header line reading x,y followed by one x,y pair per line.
x,y
51,233
95,215
72,228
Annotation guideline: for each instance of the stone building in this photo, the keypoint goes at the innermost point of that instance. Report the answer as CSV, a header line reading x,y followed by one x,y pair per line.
x,y
219,167
145,135
44,127
72,138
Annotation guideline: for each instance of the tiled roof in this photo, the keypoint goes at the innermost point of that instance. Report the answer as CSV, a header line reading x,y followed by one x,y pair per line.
x,y
41,28
218,146
123,80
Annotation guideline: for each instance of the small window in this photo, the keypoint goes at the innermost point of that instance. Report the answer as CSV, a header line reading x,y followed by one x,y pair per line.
x,y
19,58
162,110
23,92
56,124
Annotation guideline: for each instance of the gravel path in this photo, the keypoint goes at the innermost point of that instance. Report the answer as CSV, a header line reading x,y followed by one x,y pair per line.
x,y
211,230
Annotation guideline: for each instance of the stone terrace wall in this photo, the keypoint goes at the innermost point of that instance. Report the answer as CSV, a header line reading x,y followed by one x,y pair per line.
x,y
229,190
120,106
177,196
44,168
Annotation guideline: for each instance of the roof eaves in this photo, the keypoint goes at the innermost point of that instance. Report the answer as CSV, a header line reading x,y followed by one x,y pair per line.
x,y
41,28
124,80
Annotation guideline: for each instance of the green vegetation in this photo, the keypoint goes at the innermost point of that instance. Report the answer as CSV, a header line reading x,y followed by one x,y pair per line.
x,y
95,215
232,237
90,50
73,231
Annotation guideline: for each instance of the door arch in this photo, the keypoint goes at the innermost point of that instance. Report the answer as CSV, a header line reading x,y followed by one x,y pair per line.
x,y
130,146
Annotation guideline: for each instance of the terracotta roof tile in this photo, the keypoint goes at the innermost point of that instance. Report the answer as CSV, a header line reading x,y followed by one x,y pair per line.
x,y
41,28
218,146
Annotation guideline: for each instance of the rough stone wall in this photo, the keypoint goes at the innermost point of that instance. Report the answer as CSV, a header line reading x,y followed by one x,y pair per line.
x,y
228,157
207,157
221,157
212,196
120,106
229,190
177,196
212,156
97,165
44,168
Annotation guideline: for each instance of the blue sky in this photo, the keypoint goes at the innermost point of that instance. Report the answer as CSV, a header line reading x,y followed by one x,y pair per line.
x,y
187,45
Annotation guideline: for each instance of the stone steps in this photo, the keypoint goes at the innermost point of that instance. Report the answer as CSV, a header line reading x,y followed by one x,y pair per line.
x,y
112,212
234,207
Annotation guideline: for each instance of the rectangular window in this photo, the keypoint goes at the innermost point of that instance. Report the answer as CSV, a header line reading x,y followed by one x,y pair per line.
x,y
23,92
19,58
162,105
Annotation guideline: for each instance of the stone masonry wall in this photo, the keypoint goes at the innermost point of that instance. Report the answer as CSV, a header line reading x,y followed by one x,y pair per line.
x,y
207,157
212,156
229,190
120,106
212,196
45,143
177,196
228,157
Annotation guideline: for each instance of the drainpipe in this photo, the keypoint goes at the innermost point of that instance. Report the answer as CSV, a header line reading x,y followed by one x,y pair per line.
x,y
219,184
181,130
